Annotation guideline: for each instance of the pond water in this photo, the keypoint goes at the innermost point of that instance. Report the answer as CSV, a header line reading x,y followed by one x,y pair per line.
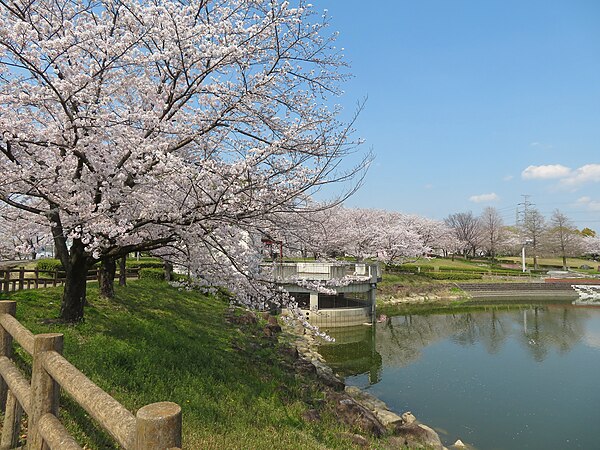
x,y
522,378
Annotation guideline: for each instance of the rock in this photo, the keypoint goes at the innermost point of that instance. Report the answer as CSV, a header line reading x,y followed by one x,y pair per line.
x,y
328,377
415,435
388,418
408,418
290,352
272,330
459,444
247,318
352,413
304,367
353,391
312,415
356,439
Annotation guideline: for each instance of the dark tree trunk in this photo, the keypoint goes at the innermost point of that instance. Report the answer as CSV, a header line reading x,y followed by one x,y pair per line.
x,y
564,258
106,277
123,271
168,271
76,266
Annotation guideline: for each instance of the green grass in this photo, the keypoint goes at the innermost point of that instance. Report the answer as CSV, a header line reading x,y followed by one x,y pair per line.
x,y
573,263
460,306
155,343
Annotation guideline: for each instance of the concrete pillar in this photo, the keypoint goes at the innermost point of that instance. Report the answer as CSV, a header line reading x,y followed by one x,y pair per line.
x,y
372,299
314,301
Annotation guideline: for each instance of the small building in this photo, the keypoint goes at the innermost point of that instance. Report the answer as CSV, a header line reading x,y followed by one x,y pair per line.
x,y
331,294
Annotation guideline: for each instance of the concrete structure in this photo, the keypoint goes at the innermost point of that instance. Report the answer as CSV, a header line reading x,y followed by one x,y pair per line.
x,y
355,285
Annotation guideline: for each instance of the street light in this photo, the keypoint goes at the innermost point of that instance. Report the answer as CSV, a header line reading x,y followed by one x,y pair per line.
x,y
527,242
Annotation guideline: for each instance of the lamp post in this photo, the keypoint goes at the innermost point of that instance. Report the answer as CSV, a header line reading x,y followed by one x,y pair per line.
x,y
527,242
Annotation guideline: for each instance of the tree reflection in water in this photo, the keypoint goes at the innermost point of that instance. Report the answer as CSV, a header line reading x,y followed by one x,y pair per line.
x,y
400,340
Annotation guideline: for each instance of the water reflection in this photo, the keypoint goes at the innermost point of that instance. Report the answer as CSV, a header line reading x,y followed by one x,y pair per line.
x,y
496,378
400,340
354,352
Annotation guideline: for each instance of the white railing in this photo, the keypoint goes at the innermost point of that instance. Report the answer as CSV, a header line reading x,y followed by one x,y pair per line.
x,y
322,271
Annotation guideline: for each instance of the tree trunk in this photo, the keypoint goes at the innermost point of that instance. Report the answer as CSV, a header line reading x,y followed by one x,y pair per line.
x,y
565,262
106,277
168,271
71,309
123,271
535,263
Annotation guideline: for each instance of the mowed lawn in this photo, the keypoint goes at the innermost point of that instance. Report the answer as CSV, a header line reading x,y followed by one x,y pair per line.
x,y
156,343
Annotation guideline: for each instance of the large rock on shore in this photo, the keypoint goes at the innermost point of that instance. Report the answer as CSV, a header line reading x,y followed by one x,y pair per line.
x,y
354,414
417,435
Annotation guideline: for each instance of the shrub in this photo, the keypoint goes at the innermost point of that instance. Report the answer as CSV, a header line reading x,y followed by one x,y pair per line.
x,y
463,269
410,268
49,265
453,276
150,273
144,263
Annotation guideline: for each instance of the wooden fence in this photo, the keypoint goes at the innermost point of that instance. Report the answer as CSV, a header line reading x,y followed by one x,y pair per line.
x,y
18,279
155,427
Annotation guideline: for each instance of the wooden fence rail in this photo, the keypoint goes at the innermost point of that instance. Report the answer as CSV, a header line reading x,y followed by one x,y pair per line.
x,y
155,427
18,279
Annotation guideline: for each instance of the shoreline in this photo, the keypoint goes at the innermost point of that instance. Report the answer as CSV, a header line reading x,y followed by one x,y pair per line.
x,y
400,429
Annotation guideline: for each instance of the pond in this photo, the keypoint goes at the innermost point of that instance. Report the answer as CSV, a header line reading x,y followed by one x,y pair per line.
x,y
519,378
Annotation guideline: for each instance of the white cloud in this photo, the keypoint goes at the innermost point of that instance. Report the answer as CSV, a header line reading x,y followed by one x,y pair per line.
x,y
545,172
541,145
484,198
588,203
590,173
508,178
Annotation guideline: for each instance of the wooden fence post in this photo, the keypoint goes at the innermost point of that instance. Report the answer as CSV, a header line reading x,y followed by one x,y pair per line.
x,y
21,278
6,348
158,426
44,390
55,280
37,277
6,280
12,423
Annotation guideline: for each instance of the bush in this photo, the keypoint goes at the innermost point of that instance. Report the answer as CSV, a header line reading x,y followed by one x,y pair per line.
x,y
463,269
453,276
49,265
410,268
144,263
150,273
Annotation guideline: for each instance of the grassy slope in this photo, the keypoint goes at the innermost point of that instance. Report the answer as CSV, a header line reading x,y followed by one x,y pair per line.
x,y
154,343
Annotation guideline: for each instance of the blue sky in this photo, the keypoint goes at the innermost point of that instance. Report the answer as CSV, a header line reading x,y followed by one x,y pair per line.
x,y
464,96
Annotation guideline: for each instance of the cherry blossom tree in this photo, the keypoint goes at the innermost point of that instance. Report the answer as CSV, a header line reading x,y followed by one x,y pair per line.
x,y
367,233
134,125
591,245
21,234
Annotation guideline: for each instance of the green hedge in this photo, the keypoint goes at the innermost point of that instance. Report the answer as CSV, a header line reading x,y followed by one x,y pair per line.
x,y
411,268
144,263
48,265
452,276
150,273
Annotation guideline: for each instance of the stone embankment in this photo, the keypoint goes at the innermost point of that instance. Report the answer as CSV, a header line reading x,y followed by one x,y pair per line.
x,y
562,291
362,410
